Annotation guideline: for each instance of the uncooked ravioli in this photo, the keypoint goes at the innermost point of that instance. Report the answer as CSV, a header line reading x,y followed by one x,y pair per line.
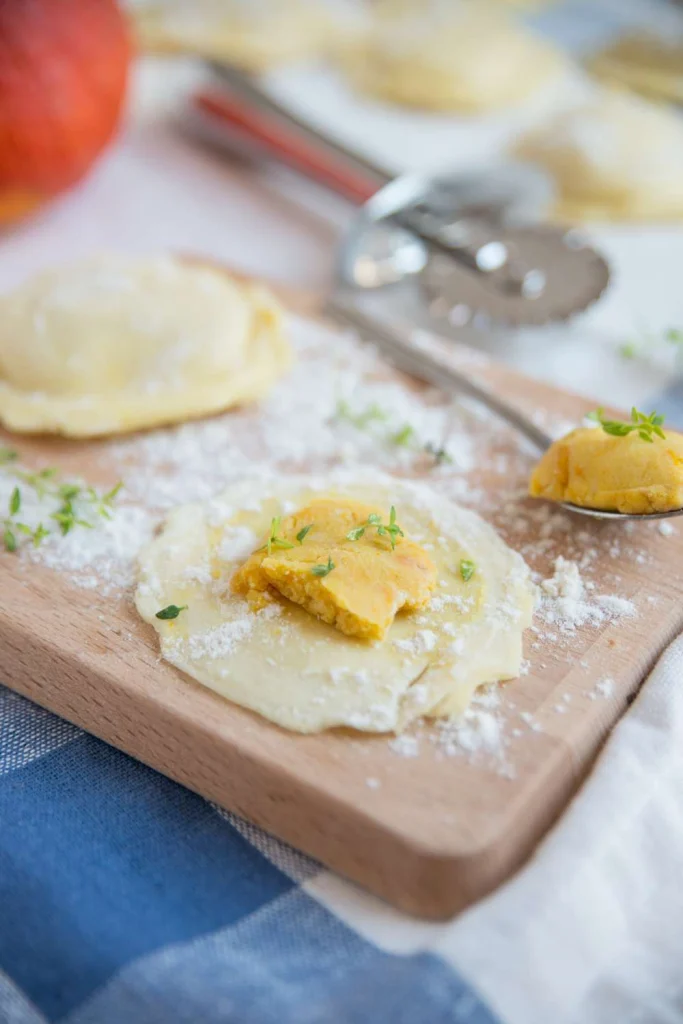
x,y
450,55
304,674
253,34
645,63
617,157
115,344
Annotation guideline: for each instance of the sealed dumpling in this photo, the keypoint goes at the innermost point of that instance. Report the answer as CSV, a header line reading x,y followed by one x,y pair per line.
x,y
118,344
617,157
451,55
253,34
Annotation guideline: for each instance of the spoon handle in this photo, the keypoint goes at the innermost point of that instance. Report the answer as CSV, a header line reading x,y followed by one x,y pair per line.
x,y
401,349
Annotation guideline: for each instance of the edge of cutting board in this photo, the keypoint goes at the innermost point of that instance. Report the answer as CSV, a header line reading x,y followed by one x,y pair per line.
x,y
106,677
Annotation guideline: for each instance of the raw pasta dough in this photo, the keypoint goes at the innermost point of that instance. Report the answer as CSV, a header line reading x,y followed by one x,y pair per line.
x,y
450,55
644,63
115,344
304,674
253,34
615,158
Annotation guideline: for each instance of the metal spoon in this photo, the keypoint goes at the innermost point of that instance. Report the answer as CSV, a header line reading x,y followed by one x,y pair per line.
x,y
401,350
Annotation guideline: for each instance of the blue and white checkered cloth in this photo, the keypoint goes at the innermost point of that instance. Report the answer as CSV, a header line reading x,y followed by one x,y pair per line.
x,y
126,899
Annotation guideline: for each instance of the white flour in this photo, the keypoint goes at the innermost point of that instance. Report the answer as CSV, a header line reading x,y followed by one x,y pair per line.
x,y
338,408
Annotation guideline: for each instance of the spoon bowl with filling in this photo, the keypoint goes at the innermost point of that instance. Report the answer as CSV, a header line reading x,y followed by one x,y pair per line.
x,y
614,470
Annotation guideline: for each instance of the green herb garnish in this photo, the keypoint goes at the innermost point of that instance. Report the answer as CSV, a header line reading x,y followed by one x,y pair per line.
x,y
44,483
356,533
323,570
360,419
391,529
647,340
274,541
404,437
301,535
39,534
628,350
440,455
171,611
467,569
15,501
646,426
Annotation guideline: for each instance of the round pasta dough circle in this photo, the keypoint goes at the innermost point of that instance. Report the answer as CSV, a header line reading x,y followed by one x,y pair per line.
x,y
302,673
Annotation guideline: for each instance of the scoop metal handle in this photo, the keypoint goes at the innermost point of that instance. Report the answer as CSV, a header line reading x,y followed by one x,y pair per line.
x,y
399,347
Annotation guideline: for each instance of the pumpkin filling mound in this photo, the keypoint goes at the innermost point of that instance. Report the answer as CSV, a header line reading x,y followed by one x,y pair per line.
x,y
345,562
353,600
624,472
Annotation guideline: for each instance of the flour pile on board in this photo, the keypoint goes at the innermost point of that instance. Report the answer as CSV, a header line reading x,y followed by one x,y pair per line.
x,y
99,552
104,557
335,407
340,407
567,604
478,734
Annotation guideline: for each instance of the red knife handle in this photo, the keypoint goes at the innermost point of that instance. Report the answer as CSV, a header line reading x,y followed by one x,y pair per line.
x,y
285,145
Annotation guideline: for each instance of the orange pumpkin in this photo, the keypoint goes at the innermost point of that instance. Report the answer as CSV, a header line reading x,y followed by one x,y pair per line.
x,y
63,70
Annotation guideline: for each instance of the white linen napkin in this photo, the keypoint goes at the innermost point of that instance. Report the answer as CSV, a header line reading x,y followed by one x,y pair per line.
x,y
591,930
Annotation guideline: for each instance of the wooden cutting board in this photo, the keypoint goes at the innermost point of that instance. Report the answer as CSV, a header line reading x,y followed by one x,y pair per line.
x,y
431,833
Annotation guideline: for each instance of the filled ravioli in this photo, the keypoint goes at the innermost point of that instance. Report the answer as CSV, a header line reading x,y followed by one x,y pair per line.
x,y
116,344
458,55
644,62
617,157
337,601
252,35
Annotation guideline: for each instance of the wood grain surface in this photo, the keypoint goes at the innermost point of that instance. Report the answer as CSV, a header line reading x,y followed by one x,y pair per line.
x,y
437,832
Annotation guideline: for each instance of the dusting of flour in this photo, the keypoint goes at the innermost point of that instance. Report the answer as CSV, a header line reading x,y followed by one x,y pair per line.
x,y
340,407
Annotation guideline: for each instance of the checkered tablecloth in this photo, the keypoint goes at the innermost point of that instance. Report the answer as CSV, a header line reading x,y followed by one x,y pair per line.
x,y
126,899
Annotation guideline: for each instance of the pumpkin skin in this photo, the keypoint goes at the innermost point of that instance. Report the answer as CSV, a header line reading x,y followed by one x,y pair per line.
x,y
63,72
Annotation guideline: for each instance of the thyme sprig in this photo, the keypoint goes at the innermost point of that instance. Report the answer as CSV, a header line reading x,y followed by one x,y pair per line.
x,y
171,611
404,437
391,529
647,426
439,453
373,413
275,541
467,569
74,500
301,535
323,570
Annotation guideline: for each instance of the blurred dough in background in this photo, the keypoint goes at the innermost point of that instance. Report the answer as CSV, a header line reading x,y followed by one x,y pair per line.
x,y
616,158
526,5
645,64
253,34
450,55
114,343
